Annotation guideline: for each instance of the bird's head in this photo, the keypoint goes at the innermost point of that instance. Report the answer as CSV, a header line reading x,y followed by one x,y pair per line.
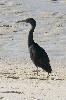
x,y
31,21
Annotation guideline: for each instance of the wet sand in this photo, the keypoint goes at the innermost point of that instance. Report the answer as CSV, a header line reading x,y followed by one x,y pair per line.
x,y
18,78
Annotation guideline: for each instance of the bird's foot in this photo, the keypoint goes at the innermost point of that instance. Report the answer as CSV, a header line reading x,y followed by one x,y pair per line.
x,y
48,76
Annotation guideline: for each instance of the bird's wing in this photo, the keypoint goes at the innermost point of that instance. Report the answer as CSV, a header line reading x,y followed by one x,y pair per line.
x,y
41,53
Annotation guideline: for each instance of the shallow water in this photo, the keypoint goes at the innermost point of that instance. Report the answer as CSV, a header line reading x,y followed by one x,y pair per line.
x,y
49,33
17,72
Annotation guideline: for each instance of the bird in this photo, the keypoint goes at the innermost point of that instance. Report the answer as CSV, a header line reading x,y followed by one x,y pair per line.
x,y
37,54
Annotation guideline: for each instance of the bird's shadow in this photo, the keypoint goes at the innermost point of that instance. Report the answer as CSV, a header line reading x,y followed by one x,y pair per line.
x,y
44,77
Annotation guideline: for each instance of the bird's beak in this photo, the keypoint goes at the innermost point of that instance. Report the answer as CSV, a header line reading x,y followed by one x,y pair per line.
x,y
21,21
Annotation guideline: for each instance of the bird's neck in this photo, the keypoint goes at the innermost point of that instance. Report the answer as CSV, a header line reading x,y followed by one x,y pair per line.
x,y
30,36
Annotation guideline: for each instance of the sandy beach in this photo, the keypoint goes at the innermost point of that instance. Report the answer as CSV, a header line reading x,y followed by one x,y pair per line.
x,y
18,77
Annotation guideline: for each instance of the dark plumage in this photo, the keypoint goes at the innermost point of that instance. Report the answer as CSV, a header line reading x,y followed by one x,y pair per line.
x,y
37,53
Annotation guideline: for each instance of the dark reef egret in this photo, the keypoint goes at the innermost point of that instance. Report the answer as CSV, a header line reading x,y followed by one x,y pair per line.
x,y
37,53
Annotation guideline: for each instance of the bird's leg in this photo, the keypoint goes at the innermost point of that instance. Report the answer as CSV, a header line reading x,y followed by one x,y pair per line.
x,y
37,70
48,75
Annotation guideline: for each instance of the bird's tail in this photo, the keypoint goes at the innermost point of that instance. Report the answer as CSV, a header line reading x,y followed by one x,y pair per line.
x,y
48,68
